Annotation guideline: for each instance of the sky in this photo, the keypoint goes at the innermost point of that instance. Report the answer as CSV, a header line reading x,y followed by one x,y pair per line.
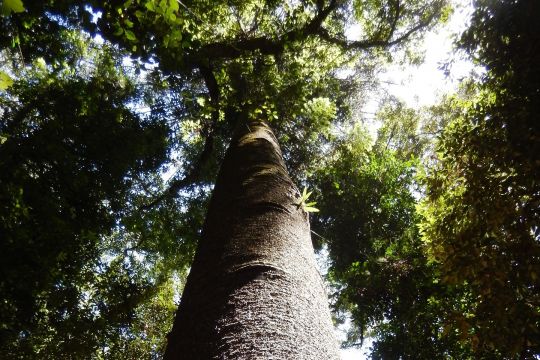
x,y
420,86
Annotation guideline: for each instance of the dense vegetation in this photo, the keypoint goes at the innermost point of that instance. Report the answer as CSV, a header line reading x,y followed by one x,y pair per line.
x,y
114,119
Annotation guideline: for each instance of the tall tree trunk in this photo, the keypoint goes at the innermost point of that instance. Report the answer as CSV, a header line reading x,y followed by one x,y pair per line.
x,y
254,291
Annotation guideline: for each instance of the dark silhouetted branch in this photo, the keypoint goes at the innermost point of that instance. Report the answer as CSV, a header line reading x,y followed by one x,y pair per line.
x,y
208,130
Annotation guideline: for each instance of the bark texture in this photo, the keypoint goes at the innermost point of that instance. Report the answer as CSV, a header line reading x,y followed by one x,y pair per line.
x,y
254,291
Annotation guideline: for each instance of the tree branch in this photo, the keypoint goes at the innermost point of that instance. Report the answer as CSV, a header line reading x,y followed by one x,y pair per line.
x,y
232,50
371,43
208,132
192,176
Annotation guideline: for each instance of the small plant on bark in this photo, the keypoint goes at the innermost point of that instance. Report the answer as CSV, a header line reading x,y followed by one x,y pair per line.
x,y
306,206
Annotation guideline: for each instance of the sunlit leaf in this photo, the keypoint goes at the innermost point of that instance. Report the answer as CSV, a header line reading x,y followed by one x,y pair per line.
x,y
5,80
9,6
130,35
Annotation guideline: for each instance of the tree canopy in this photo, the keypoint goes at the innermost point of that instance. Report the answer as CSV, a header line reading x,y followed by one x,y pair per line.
x,y
115,116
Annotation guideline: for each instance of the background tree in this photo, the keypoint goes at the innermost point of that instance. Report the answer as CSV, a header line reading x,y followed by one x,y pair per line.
x,y
69,286
481,211
382,279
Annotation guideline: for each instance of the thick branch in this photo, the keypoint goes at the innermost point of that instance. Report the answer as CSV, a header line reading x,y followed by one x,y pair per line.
x,y
315,24
224,50
213,90
232,50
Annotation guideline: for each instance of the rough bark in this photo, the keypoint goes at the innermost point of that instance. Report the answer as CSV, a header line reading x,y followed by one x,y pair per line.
x,y
254,291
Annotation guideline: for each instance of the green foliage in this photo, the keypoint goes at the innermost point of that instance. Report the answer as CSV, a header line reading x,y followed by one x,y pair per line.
x,y
382,277
306,206
9,6
64,177
5,80
481,215
90,125
467,285
367,217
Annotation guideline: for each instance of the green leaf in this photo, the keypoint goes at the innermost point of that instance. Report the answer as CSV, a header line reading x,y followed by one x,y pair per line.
x,y
5,81
12,5
130,35
41,64
305,195
139,14
150,6
174,5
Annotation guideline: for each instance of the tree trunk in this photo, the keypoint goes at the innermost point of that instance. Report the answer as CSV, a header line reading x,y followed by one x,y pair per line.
x,y
254,291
